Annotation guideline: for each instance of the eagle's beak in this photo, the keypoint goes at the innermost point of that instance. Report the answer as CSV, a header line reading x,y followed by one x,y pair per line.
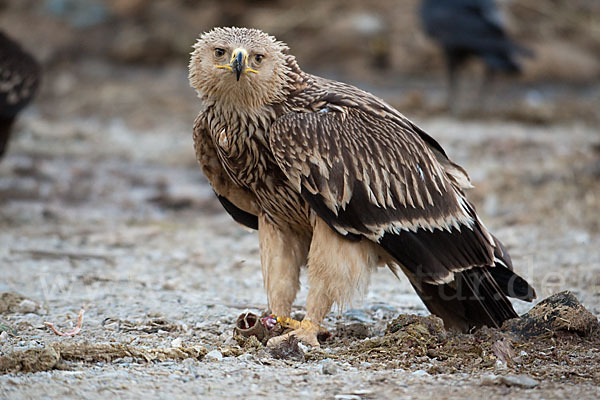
x,y
239,61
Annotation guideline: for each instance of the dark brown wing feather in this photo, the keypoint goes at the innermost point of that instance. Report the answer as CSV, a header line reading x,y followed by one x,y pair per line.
x,y
374,177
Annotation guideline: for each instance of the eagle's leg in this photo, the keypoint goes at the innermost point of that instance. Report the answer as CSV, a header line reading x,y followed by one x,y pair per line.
x,y
282,254
337,270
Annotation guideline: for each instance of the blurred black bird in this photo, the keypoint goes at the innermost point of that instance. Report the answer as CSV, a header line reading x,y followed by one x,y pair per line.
x,y
470,28
19,80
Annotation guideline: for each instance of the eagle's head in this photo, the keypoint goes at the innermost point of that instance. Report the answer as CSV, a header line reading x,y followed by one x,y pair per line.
x,y
241,67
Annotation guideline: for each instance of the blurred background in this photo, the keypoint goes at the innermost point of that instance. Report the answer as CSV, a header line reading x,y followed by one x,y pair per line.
x,y
102,162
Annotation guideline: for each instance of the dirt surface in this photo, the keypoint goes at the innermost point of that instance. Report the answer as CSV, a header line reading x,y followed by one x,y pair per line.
x,y
102,207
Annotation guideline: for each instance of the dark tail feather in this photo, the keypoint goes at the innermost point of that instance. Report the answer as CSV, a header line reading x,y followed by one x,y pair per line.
x,y
472,300
511,284
477,296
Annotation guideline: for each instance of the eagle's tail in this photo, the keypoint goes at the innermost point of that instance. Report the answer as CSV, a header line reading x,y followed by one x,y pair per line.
x,y
477,296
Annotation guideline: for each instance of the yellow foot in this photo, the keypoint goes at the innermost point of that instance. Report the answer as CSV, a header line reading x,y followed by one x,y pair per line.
x,y
306,331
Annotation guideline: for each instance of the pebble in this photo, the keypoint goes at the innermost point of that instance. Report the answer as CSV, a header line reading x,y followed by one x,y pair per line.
x,y
489,380
347,397
177,342
27,306
328,367
3,335
246,357
303,347
214,355
522,381
420,372
358,315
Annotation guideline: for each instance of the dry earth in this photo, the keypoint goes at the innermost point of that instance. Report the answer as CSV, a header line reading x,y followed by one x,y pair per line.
x,y
102,207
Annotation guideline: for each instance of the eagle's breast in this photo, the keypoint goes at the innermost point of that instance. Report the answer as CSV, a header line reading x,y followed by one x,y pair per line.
x,y
241,145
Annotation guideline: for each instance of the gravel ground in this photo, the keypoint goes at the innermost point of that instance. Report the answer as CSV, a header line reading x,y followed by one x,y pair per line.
x,y
102,207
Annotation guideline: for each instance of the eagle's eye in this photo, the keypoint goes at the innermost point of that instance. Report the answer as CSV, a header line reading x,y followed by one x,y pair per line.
x,y
219,52
258,58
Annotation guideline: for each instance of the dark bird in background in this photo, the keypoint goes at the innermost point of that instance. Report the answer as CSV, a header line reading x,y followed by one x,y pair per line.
x,y
471,28
19,80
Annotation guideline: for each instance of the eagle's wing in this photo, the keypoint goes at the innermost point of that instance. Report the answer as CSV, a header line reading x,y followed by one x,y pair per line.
x,y
371,174
239,203
368,172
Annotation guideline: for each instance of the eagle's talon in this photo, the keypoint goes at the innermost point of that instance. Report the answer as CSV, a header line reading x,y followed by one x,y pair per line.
x,y
306,331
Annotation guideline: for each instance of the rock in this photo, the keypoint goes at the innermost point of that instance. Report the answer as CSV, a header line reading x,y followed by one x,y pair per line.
x,y
431,324
356,330
328,367
523,381
420,372
559,312
358,315
176,342
214,355
489,380
246,357
27,306
9,302
31,360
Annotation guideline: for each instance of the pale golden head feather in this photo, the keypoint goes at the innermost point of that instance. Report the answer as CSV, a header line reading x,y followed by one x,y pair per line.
x,y
262,77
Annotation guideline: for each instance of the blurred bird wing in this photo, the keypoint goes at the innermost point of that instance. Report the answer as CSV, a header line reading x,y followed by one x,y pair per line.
x,y
371,174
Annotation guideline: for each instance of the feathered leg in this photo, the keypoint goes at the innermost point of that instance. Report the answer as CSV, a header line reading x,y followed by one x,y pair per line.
x,y
282,254
337,270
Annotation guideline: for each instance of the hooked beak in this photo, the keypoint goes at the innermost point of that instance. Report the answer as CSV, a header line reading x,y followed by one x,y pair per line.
x,y
238,62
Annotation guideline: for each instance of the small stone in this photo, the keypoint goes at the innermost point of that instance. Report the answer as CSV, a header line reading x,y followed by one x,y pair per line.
x,y
490,380
303,347
358,315
176,342
246,357
328,367
214,355
420,372
523,381
3,336
27,306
